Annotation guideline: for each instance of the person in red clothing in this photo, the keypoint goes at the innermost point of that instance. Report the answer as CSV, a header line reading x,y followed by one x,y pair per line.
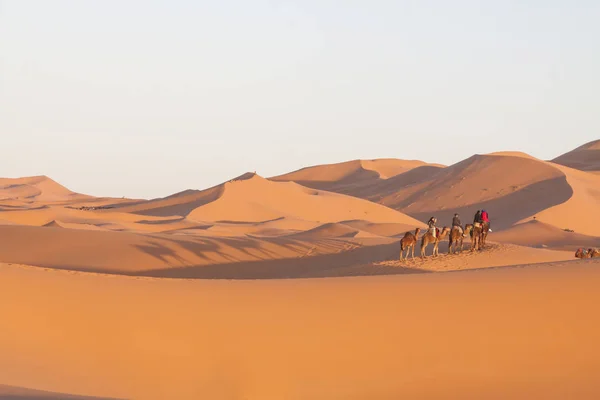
x,y
485,218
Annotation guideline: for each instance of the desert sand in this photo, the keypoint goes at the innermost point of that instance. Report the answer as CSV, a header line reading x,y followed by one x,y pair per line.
x,y
526,332
291,287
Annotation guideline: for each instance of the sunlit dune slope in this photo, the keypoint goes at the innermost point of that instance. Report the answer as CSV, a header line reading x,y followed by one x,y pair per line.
x,y
257,199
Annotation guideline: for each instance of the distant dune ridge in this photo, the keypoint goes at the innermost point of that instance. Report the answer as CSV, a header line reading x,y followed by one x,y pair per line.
x,y
88,309
325,211
512,186
585,158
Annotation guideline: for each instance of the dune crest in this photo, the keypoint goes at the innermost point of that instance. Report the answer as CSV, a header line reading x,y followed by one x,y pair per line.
x,y
255,199
382,168
38,188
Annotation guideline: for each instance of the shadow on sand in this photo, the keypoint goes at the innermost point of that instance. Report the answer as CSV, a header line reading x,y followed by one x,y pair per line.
x,y
355,262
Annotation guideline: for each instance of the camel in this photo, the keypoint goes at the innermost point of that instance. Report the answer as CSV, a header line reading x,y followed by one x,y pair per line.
x,y
475,231
409,242
589,253
455,239
485,228
429,238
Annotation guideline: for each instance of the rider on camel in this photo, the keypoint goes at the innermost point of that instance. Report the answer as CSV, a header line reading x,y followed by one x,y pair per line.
x,y
432,228
477,218
485,218
456,222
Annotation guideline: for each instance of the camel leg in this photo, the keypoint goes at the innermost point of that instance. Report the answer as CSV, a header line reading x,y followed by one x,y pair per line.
x,y
413,250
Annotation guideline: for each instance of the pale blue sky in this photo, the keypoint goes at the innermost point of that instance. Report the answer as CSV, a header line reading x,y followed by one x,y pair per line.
x,y
146,98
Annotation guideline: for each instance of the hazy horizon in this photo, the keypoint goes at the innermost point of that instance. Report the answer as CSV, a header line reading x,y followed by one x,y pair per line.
x,y
145,99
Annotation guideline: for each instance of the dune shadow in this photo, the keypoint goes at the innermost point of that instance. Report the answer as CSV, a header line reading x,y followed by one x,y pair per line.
x,y
507,210
584,160
354,262
20,393
387,187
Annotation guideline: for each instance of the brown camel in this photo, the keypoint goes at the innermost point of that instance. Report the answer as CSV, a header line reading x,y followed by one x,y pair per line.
x,y
429,238
485,228
589,253
455,239
475,236
408,243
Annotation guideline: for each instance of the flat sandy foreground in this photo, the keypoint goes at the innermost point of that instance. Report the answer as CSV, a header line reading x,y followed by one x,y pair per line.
x,y
521,332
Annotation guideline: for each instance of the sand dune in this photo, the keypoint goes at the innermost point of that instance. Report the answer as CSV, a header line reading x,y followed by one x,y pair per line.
x,y
178,204
357,178
350,170
512,186
191,256
539,234
581,212
40,188
518,333
509,187
255,199
585,158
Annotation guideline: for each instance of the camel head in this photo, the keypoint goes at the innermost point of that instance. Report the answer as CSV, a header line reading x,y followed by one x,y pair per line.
x,y
417,231
444,232
468,228
593,253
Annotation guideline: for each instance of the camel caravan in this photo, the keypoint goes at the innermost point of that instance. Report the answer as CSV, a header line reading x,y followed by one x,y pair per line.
x,y
589,253
478,232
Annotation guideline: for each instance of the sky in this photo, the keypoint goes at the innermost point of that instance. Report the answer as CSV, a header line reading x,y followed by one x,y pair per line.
x,y
147,98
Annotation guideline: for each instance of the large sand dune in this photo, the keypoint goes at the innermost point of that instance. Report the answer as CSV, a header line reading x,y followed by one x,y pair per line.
x,y
360,178
512,186
256,199
518,333
39,188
